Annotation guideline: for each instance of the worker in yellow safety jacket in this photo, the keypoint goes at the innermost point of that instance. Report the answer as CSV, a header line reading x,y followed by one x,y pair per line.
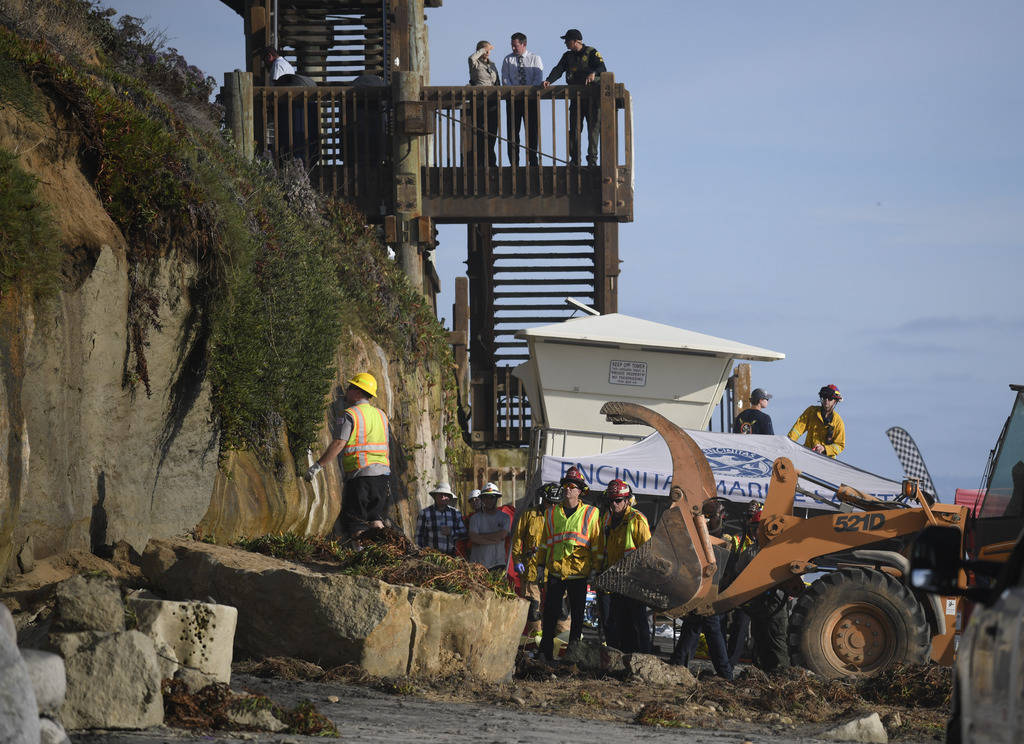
x,y
361,437
569,552
624,530
526,541
826,433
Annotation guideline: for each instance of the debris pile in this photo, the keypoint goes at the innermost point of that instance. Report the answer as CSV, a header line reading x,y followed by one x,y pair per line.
x,y
217,707
387,555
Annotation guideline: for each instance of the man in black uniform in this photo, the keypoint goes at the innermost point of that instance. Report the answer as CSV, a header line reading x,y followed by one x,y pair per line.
x,y
582,65
754,420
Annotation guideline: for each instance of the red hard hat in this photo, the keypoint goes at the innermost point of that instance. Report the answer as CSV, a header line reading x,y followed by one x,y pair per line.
x,y
618,489
574,477
755,516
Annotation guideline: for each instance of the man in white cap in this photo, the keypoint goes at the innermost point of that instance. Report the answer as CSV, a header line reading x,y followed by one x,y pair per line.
x,y
488,529
440,524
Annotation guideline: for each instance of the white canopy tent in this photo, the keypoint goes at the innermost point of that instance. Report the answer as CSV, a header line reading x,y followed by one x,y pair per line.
x,y
741,464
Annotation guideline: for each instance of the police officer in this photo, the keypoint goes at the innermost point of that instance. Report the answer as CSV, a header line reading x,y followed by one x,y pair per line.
x,y
581,65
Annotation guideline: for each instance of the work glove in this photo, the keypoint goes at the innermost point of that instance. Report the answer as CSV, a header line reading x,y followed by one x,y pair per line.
x,y
520,568
313,470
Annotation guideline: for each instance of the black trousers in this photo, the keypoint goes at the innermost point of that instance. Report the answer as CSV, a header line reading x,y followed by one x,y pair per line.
x,y
769,628
526,114
584,110
686,645
627,629
557,587
486,122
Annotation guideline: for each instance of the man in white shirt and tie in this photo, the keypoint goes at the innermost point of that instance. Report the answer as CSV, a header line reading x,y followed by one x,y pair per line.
x,y
522,68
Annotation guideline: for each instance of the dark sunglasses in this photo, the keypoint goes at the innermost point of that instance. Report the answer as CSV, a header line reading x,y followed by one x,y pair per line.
x,y
618,500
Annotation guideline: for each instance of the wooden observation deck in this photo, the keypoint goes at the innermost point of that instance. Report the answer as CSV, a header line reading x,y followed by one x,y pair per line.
x,y
411,156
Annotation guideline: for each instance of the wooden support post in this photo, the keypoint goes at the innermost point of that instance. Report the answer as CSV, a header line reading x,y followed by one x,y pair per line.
x,y
740,389
609,144
238,110
460,335
606,267
257,35
406,87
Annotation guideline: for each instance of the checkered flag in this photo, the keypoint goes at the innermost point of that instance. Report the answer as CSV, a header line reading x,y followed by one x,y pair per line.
x,y
910,458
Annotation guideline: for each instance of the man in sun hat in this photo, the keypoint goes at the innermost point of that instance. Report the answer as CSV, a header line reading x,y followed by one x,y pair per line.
x,y
440,524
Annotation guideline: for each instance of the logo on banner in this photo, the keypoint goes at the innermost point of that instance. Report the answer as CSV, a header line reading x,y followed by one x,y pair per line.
x,y
727,462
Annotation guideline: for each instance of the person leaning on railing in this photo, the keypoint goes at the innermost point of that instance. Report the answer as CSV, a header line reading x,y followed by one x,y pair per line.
x,y
581,65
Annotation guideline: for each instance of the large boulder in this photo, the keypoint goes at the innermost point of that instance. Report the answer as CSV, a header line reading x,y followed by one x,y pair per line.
x,y
196,635
49,680
113,680
88,603
386,629
19,715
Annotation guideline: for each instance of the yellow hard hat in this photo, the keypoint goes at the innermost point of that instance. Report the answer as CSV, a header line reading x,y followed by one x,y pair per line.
x,y
365,381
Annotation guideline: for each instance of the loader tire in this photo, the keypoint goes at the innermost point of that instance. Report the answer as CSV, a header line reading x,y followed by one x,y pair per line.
x,y
855,622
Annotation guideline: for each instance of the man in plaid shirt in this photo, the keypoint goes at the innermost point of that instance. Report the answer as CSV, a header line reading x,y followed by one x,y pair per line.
x,y
441,524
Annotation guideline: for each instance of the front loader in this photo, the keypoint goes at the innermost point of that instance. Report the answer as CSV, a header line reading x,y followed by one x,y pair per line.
x,y
859,617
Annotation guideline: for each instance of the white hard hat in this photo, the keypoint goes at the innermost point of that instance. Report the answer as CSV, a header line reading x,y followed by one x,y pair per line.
x,y
490,490
442,487
474,494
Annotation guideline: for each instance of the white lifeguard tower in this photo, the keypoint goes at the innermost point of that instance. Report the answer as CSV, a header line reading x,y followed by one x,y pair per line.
x,y
577,365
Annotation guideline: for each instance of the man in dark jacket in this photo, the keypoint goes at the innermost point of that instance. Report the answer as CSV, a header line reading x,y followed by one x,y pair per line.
x,y
754,420
582,65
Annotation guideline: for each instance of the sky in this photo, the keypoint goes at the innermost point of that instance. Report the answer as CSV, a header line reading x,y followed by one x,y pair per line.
x,y
840,181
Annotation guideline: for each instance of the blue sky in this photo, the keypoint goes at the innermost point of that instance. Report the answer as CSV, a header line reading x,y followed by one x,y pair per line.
x,y
837,181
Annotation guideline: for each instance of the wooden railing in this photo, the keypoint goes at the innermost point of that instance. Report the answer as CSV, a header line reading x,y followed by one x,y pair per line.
x,y
341,134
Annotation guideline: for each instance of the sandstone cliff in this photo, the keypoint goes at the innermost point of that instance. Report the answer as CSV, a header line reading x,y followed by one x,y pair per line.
x,y
122,386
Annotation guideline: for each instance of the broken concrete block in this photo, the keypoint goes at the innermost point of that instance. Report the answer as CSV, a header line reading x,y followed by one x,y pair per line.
x,y
88,603
386,629
51,732
19,714
49,682
653,670
196,635
27,556
862,728
113,680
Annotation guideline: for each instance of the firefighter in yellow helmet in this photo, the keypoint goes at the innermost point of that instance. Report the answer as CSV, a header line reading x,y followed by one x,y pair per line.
x,y
624,530
569,553
361,438
525,543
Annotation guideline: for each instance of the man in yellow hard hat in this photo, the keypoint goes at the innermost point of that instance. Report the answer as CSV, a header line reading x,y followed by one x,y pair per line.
x,y
361,438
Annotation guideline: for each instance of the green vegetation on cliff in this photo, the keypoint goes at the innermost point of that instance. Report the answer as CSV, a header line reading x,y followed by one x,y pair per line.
x,y
28,238
282,277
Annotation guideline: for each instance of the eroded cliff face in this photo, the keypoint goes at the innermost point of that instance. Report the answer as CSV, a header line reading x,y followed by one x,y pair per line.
x,y
88,459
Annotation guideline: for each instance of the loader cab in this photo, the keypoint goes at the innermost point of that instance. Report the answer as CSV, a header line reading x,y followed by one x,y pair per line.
x,y
1000,517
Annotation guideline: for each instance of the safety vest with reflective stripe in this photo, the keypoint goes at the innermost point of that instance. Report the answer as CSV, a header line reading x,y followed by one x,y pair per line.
x,y
368,443
567,540
629,534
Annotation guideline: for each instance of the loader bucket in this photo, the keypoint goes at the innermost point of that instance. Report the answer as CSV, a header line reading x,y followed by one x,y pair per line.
x,y
677,565
662,573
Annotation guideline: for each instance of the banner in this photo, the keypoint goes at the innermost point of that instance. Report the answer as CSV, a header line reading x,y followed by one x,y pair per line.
x,y
741,465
